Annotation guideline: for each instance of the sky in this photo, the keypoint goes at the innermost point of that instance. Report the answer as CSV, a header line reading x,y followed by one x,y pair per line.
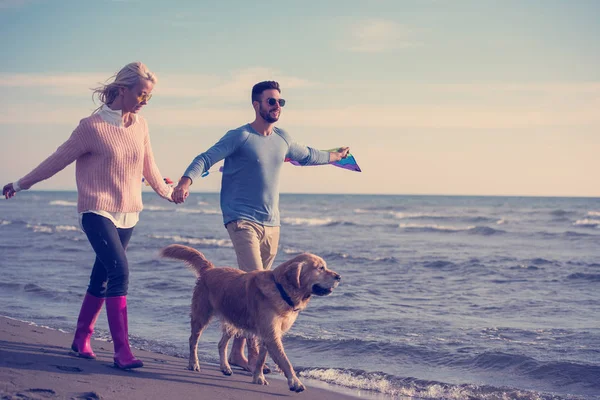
x,y
435,97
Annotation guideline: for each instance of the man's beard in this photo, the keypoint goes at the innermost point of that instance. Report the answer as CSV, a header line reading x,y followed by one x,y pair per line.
x,y
267,117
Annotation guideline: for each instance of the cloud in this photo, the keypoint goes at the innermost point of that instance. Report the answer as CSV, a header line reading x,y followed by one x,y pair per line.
x,y
61,84
377,36
195,100
233,87
357,116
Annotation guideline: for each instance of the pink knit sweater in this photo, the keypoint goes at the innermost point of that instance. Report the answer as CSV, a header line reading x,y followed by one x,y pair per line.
x,y
111,161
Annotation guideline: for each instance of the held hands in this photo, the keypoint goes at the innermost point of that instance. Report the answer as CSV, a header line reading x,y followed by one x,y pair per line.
x,y
342,152
181,191
9,191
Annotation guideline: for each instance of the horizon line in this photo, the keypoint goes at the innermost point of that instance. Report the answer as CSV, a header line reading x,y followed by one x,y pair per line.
x,y
372,194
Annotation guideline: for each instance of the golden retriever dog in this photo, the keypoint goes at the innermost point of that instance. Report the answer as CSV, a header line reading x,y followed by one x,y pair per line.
x,y
261,303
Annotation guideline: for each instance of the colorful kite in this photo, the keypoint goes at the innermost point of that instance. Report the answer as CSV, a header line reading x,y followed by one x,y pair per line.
x,y
348,163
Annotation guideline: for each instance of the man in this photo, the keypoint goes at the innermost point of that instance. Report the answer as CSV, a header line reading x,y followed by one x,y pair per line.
x,y
254,154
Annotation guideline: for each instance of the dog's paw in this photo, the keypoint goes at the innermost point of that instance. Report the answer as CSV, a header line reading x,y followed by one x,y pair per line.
x,y
260,380
194,367
227,371
296,386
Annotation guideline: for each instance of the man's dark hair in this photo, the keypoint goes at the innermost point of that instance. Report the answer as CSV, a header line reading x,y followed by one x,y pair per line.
x,y
260,87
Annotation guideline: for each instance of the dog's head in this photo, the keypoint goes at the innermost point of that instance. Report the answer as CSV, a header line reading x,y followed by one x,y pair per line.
x,y
308,274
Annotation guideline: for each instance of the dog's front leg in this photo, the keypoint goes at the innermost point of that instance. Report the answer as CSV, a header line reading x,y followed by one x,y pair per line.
x,y
225,367
258,376
275,349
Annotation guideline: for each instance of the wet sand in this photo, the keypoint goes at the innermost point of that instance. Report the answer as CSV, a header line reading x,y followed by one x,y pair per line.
x,y
36,363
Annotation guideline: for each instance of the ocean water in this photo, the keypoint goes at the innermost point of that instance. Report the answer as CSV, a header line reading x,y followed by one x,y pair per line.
x,y
441,297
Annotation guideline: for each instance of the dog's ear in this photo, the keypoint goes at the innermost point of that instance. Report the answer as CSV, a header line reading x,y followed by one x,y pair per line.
x,y
292,274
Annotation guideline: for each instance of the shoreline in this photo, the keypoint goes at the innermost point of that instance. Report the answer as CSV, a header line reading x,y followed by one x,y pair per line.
x,y
35,363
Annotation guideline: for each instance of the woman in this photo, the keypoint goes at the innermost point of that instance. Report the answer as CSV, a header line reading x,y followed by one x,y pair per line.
x,y
112,152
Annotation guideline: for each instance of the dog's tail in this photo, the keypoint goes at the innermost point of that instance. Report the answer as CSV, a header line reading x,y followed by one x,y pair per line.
x,y
192,257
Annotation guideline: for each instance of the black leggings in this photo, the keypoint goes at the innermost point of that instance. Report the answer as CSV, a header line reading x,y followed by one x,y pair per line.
x,y
110,275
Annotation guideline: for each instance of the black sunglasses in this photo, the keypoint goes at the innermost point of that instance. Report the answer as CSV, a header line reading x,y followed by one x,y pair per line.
x,y
271,101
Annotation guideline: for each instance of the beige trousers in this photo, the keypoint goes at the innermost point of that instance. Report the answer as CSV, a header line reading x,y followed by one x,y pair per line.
x,y
255,244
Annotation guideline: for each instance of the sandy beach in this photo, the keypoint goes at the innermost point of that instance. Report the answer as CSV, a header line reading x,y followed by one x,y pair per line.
x,y
35,363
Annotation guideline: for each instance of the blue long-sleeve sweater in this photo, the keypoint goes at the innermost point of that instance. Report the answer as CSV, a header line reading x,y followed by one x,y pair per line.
x,y
250,183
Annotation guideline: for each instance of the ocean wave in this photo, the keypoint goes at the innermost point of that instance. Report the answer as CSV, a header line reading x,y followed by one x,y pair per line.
x,y
484,231
532,264
585,264
308,221
163,286
574,234
445,265
291,250
360,259
434,227
63,203
34,291
594,213
540,261
157,208
202,242
66,228
336,256
560,213
41,228
461,218
4,222
587,223
584,277
393,386
417,215
559,373
474,230
525,266
378,210
53,228
208,211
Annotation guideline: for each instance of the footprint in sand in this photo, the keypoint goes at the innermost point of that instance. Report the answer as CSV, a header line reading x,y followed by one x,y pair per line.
x,y
36,393
89,396
68,369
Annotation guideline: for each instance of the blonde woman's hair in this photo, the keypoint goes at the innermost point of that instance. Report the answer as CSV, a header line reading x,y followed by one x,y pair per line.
x,y
129,76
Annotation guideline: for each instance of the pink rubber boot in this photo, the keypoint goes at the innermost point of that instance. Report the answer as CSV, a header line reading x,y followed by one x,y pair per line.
x,y
116,310
85,326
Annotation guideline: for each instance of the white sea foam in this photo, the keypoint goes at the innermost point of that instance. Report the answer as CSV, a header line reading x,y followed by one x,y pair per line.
x,y
40,228
52,229
291,250
307,221
209,211
594,213
379,383
66,228
436,227
197,241
157,208
402,215
4,222
63,203
587,222
501,221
